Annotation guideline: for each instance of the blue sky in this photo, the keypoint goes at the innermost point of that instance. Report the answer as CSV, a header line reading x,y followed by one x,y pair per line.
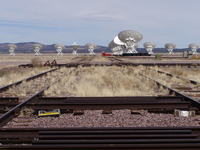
x,y
98,21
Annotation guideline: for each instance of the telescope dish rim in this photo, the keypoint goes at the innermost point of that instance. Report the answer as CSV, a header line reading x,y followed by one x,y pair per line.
x,y
118,41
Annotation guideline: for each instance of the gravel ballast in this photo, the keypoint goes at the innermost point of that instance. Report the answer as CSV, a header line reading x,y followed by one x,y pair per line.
x,y
95,118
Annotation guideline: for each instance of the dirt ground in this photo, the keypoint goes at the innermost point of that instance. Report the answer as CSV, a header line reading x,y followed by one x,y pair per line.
x,y
6,60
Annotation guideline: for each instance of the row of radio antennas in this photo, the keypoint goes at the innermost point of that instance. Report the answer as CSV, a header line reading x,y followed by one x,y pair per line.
x,y
59,48
127,42
116,46
149,46
36,48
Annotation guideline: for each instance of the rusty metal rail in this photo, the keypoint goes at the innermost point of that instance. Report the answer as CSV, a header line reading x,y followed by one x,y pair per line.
x,y
13,111
4,88
115,59
175,92
194,94
161,104
172,75
101,138
151,103
122,63
13,103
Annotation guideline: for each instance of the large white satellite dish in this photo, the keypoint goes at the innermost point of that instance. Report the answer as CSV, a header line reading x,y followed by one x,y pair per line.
x,y
118,41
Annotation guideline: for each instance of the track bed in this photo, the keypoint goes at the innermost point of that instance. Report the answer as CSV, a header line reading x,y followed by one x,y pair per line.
x,y
138,114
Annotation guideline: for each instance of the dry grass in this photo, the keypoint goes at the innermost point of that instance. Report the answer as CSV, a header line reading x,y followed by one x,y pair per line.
x,y
7,60
36,62
170,81
8,76
195,57
26,112
28,88
100,59
185,72
104,81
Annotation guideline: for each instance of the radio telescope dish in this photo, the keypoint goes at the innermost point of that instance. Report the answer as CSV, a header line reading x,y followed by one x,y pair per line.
x,y
11,49
118,41
59,48
193,48
127,35
91,47
37,48
149,46
130,38
75,47
170,47
115,48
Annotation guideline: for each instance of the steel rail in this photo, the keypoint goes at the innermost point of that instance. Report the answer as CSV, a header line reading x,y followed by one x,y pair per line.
x,y
172,75
184,89
76,64
150,103
164,146
108,100
177,93
11,113
101,138
4,88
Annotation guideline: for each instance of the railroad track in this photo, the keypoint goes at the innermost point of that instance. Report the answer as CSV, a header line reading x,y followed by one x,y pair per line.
x,y
7,98
27,86
192,89
153,57
4,88
101,138
174,91
4,118
80,106
12,105
113,60
76,61
158,104
172,75
33,86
